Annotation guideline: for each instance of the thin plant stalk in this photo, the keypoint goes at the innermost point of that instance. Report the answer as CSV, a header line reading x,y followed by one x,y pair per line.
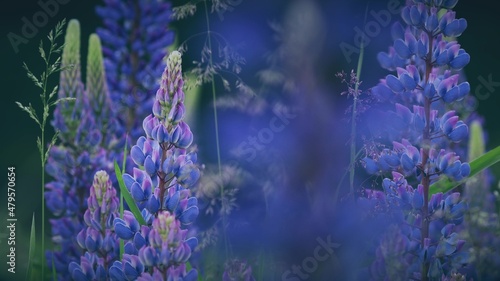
x,y
214,97
353,122
352,165
47,103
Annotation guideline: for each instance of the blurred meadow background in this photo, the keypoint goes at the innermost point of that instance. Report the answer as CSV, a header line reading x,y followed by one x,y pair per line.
x,y
283,126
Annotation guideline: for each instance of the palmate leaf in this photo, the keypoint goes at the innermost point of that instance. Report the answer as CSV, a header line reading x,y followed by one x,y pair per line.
x,y
477,165
128,198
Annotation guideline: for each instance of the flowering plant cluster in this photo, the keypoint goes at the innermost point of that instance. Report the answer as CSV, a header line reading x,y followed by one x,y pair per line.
x,y
89,138
425,245
136,223
160,188
159,185
92,128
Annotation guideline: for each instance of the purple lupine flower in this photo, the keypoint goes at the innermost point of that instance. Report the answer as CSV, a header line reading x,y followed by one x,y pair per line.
x,y
421,132
135,36
167,169
160,187
98,238
130,268
89,141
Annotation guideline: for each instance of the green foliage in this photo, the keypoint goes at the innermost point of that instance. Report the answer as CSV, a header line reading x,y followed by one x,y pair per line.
x,y
122,243
128,198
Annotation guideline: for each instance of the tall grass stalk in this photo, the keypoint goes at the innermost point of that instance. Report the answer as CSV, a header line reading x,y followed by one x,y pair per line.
x,y
352,165
217,143
48,102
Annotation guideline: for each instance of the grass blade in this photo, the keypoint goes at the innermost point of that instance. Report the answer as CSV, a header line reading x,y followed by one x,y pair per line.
x,y
128,198
54,273
31,253
477,165
122,243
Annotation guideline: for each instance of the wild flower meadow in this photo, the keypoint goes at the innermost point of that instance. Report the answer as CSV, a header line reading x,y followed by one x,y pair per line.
x,y
171,150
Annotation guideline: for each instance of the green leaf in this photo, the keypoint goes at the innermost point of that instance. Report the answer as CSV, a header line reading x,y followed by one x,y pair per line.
x,y
477,165
124,163
128,198
31,253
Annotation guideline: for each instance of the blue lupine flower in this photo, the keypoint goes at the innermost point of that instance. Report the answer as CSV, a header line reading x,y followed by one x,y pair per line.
x,y
160,188
89,141
135,38
423,237
98,238
130,268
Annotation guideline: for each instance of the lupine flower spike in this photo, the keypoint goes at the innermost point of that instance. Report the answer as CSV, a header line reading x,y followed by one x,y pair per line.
x,y
89,141
425,83
98,238
135,39
160,186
